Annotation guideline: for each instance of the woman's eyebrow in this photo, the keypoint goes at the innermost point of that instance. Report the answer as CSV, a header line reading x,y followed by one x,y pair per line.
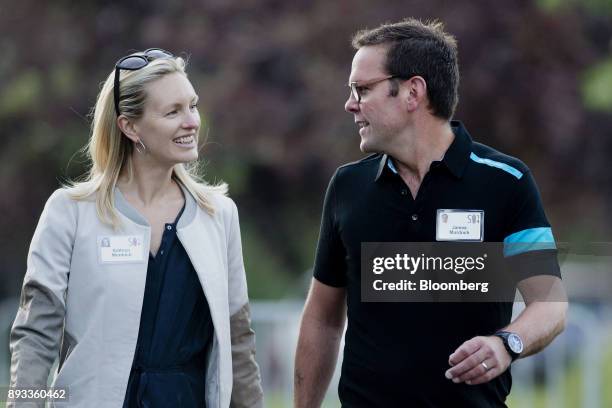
x,y
178,104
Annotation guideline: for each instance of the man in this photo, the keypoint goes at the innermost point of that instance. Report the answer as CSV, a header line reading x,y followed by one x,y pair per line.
x,y
404,82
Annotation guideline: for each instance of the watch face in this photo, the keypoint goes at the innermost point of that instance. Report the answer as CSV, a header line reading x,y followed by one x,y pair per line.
x,y
515,343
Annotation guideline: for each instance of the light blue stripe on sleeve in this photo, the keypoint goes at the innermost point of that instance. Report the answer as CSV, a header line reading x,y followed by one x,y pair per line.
x,y
502,166
532,239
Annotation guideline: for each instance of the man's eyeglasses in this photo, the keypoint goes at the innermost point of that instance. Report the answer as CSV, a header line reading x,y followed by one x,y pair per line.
x,y
357,87
135,62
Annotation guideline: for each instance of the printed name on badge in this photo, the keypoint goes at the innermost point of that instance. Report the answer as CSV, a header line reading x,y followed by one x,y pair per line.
x,y
459,225
121,248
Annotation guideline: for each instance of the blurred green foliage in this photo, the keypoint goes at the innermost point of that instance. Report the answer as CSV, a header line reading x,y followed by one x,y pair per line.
x,y
23,94
597,86
272,80
593,6
264,266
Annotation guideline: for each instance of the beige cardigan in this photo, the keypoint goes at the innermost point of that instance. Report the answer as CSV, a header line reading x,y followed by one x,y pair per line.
x,y
88,311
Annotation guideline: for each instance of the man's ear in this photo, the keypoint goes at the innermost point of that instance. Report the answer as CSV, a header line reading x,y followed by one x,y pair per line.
x,y
128,127
414,92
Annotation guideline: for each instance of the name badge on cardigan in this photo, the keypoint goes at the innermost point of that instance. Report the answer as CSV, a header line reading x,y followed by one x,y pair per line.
x,y
120,248
459,225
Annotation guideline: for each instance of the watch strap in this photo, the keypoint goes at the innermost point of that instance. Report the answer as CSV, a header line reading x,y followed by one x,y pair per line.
x,y
503,335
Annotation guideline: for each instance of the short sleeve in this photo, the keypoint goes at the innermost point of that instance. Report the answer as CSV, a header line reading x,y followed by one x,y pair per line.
x,y
529,244
330,265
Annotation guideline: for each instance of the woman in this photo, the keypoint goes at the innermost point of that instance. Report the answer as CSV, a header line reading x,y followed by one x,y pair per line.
x,y
135,275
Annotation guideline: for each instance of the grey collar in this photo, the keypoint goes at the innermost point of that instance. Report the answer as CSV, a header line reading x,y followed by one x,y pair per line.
x,y
125,208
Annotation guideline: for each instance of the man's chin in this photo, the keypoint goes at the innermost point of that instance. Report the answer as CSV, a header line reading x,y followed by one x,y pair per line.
x,y
366,147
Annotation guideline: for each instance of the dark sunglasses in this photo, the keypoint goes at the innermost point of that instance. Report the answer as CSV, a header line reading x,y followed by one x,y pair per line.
x,y
135,62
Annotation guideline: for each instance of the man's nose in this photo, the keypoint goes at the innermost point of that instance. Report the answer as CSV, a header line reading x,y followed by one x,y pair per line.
x,y
351,105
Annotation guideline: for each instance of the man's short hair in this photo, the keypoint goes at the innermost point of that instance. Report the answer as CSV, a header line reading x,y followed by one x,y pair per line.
x,y
424,49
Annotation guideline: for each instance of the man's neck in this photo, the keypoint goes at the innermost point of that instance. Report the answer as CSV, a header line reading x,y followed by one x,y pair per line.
x,y
419,146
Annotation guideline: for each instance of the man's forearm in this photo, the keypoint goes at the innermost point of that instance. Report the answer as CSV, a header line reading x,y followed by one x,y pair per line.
x,y
315,361
538,325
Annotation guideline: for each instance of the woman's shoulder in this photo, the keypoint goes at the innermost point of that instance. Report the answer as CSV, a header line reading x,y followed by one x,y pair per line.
x,y
211,198
68,199
60,208
61,197
221,202
85,191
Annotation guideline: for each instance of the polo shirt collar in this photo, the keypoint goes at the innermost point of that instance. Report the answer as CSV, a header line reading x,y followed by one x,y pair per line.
x,y
458,154
455,158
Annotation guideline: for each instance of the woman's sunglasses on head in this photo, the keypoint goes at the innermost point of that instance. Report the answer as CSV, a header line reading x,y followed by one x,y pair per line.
x,y
134,62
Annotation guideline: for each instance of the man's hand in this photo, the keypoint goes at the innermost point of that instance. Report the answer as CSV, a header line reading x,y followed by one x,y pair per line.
x,y
478,360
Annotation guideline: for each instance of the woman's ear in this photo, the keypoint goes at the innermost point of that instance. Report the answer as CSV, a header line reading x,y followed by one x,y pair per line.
x,y
128,128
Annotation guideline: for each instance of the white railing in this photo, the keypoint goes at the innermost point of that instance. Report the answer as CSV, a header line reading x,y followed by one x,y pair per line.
x,y
587,338
581,346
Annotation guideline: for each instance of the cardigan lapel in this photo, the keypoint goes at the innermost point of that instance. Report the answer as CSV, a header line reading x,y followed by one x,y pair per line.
x,y
201,241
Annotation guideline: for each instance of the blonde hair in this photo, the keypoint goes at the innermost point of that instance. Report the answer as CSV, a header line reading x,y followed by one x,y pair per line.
x,y
109,150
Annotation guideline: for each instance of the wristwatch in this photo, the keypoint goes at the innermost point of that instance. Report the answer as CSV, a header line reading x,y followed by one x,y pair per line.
x,y
512,342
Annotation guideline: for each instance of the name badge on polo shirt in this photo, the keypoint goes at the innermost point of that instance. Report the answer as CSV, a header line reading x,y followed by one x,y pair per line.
x,y
121,248
459,225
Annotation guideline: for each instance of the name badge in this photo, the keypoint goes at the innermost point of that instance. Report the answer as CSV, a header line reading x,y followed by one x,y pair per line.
x,y
459,225
121,248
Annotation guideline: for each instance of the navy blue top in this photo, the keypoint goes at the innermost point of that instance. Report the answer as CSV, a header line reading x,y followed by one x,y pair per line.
x,y
176,329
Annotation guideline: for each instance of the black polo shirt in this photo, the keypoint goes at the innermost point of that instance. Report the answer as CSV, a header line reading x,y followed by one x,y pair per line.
x,y
396,354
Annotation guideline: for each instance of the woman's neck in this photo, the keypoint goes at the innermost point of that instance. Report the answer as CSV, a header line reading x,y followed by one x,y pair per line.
x,y
149,184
